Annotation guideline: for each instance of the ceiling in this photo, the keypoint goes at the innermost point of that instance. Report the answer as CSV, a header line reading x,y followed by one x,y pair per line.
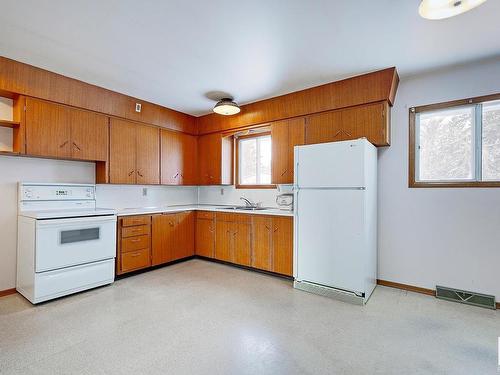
x,y
176,53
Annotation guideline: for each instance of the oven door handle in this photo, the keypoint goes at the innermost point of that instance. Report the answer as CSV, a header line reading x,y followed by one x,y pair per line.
x,y
87,220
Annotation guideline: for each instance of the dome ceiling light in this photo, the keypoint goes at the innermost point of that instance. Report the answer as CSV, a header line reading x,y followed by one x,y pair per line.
x,y
440,9
226,107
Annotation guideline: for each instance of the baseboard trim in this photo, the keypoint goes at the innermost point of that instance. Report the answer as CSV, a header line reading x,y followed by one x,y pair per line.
x,y
410,288
7,292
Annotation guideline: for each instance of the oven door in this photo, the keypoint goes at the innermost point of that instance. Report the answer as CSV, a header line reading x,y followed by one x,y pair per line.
x,y
68,242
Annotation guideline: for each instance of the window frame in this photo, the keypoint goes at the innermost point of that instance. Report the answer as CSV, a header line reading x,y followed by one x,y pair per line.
x,y
237,161
414,112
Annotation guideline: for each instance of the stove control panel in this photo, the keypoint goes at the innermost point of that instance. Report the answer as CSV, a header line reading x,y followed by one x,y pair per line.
x,y
55,192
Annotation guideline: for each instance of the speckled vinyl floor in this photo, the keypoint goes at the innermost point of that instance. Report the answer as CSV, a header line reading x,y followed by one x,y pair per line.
x,y
199,317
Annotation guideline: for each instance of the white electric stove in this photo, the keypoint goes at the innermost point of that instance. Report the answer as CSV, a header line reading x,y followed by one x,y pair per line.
x,y
65,243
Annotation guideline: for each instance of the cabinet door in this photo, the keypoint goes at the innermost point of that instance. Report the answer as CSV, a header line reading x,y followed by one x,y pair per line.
x,y
262,242
210,159
369,121
48,131
189,160
171,157
284,136
283,245
224,240
242,245
205,238
89,136
184,236
148,155
163,238
122,152
324,127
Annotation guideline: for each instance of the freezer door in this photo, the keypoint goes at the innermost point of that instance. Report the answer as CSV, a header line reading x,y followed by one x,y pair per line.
x,y
330,238
336,164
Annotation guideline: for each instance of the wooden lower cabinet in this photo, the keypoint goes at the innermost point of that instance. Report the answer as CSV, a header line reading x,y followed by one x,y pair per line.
x,y
272,240
134,243
258,241
233,238
205,234
172,236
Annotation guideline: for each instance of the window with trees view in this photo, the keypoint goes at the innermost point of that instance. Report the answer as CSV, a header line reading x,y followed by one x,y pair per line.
x,y
455,144
254,160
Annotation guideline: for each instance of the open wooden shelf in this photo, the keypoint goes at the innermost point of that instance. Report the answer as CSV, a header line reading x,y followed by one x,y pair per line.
x,y
9,124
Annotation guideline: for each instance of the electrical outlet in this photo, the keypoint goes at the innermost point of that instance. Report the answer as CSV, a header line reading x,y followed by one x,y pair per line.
x,y
138,107
144,192
221,191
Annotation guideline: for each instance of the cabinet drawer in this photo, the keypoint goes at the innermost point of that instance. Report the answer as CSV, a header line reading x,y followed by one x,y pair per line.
x,y
205,215
136,231
135,260
235,218
135,243
136,220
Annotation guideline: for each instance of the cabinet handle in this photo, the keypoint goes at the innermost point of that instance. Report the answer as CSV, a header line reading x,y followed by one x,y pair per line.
x,y
284,171
135,255
276,229
130,173
63,144
76,146
268,228
135,240
176,175
171,224
139,173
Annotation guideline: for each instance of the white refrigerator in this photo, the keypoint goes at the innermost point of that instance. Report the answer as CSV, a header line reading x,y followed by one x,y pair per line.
x,y
335,233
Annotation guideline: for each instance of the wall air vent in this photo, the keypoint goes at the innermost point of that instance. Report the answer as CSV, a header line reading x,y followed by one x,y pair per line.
x,y
463,296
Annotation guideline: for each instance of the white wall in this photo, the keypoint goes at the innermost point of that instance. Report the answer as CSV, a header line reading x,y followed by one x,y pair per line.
x,y
230,195
127,196
15,169
430,237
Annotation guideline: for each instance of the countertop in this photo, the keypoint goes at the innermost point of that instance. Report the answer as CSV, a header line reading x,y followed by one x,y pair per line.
x,y
199,207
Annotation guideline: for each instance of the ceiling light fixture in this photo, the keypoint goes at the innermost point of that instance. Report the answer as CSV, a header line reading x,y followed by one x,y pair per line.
x,y
226,107
440,9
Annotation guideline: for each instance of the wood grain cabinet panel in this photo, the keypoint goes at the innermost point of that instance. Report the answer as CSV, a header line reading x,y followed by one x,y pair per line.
x,y
163,238
262,242
370,121
122,152
242,244
48,129
178,158
133,243
172,236
89,135
209,162
282,249
184,236
224,241
148,155
284,136
189,160
205,234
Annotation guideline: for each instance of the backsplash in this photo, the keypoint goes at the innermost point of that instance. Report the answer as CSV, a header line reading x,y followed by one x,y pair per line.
x,y
231,196
132,196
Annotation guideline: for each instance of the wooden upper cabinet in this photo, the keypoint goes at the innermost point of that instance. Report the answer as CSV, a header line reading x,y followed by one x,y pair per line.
x,y
122,152
178,158
148,154
48,129
89,136
189,160
370,121
215,154
209,159
282,249
171,154
323,127
134,155
284,136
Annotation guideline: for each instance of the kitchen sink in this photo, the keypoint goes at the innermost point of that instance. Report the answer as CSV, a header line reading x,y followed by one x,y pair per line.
x,y
245,208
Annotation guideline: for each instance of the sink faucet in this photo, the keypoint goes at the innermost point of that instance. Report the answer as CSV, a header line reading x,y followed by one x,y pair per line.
x,y
248,202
